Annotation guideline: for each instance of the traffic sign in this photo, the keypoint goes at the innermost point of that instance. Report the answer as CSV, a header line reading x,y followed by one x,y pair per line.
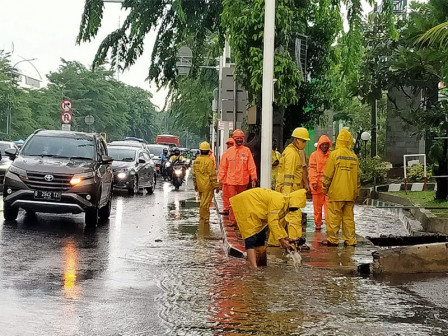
x,y
66,105
66,117
89,120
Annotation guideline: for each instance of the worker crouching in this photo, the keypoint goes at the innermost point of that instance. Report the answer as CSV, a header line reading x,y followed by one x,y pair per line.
x,y
257,208
204,177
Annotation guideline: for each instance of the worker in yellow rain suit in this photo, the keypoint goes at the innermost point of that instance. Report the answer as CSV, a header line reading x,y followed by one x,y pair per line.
x,y
275,162
341,184
204,177
290,178
257,208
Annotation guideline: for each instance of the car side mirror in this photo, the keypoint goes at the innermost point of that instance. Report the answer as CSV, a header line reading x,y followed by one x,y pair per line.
x,y
106,159
141,161
151,155
11,153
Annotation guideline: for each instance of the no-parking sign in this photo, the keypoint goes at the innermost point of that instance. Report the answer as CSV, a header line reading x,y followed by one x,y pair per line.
x,y
66,117
66,105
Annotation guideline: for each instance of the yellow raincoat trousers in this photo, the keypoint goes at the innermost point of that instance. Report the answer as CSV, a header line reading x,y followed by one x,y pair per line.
x,y
257,208
341,184
204,177
289,179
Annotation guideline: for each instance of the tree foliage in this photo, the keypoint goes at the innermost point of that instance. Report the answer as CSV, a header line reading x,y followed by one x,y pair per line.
x,y
119,110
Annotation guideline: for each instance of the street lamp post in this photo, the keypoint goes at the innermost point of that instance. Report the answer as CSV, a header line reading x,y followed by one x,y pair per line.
x,y
365,136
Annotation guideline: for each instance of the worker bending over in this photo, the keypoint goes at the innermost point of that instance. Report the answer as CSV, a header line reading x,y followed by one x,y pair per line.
x,y
257,208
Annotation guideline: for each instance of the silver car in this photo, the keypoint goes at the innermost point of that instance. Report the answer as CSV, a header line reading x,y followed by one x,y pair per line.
x,y
5,161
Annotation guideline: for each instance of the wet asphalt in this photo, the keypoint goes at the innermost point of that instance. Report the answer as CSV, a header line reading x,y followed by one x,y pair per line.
x,y
151,270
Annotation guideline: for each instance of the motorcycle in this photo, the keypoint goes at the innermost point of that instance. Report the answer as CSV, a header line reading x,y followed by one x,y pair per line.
x,y
165,170
178,174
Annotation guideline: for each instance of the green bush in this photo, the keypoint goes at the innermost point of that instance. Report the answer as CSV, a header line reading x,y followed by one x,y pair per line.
x,y
416,172
374,170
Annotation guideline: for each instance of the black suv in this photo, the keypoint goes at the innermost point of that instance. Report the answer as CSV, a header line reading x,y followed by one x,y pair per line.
x,y
59,172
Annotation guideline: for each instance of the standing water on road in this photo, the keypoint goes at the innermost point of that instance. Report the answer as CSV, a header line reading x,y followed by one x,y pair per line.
x,y
151,270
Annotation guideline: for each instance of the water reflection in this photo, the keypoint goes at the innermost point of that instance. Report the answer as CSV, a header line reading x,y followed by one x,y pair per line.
x,y
71,255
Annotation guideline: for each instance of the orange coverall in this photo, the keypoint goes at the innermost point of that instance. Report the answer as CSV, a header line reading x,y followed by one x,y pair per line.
x,y
235,169
318,160
225,187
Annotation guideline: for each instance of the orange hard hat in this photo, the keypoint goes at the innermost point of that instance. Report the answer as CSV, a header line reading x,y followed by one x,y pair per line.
x,y
238,134
230,141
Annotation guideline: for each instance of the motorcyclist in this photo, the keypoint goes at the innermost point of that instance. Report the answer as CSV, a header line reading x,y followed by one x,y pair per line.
x,y
164,157
176,157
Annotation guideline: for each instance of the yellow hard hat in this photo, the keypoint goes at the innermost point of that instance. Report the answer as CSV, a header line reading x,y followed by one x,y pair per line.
x,y
297,199
301,133
204,146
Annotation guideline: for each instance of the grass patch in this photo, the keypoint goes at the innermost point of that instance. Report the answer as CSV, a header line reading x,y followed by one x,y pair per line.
x,y
425,199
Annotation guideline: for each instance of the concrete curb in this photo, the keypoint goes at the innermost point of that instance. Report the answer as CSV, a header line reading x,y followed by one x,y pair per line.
x,y
1,203
429,221
232,241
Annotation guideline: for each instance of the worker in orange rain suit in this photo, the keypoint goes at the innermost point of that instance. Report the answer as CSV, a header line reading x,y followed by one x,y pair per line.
x,y
341,183
290,178
225,188
318,160
237,166
204,177
212,157
257,208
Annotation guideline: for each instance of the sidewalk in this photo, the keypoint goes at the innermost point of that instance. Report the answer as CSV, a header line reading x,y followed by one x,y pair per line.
x,y
369,222
1,203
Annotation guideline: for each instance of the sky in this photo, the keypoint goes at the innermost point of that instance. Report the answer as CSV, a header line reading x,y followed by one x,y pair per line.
x,y
46,30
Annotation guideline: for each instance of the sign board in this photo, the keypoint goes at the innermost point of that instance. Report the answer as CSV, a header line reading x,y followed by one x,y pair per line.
x,y
221,125
89,120
66,117
228,96
66,127
66,105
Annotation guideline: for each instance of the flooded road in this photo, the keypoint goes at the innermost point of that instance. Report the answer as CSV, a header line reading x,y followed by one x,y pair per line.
x,y
152,271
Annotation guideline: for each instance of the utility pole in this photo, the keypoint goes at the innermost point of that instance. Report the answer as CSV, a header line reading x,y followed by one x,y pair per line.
x,y
374,121
268,93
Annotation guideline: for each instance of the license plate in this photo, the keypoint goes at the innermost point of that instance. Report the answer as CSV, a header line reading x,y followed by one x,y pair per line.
x,y
47,195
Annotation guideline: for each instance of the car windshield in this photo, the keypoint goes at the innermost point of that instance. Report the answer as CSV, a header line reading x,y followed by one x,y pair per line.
x,y
59,146
156,149
4,146
122,154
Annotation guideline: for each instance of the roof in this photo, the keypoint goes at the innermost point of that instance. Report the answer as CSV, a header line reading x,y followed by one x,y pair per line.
x,y
66,134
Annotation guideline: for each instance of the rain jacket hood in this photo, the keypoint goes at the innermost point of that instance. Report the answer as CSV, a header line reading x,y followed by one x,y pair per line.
x,y
324,139
297,199
344,140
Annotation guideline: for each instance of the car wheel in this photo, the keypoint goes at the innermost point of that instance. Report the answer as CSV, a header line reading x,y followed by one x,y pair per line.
x,y
134,189
91,217
10,213
150,190
105,211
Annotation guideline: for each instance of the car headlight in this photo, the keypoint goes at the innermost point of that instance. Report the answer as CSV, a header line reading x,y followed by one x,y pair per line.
x,y
78,178
178,172
121,175
18,171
